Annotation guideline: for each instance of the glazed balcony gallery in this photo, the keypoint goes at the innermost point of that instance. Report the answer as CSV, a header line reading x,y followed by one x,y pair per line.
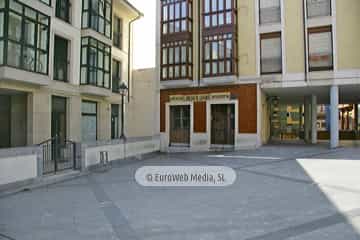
x,y
24,37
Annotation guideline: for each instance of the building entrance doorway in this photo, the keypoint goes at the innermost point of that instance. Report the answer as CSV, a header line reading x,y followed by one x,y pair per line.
x,y
286,121
180,125
58,152
222,124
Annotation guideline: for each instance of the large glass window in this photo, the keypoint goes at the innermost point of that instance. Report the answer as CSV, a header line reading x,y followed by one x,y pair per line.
x,y
270,11
88,121
61,59
219,55
95,62
176,60
318,8
320,49
118,32
219,12
176,16
63,10
25,44
176,41
219,38
116,75
97,15
271,53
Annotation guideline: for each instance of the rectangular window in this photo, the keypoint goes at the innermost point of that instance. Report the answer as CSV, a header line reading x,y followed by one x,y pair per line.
x,y
176,16
96,14
118,32
95,63
219,12
63,10
320,49
88,121
176,60
61,59
116,75
270,11
219,38
318,8
115,121
176,49
26,40
219,56
271,53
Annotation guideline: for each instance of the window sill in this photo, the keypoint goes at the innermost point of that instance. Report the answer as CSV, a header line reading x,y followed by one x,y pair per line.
x,y
95,91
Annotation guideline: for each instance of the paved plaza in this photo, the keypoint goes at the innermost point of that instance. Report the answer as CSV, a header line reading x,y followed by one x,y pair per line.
x,y
281,192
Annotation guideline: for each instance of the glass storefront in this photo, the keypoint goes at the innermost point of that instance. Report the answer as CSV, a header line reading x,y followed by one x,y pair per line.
x,y
286,121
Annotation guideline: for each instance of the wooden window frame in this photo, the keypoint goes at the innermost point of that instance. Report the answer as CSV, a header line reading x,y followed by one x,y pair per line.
x,y
177,39
270,36
188,63
233,59
213,33
321,30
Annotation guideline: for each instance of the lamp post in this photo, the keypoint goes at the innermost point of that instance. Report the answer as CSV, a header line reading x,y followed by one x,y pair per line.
x,y
122,90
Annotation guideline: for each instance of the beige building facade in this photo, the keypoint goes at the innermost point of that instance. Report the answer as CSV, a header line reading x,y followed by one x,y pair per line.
x,y
295,54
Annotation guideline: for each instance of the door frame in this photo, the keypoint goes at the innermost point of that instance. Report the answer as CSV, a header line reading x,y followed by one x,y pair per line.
x,y
208,118
167,124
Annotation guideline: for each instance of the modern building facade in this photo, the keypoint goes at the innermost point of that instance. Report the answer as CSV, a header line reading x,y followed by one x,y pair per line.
x,y
61,66
240,73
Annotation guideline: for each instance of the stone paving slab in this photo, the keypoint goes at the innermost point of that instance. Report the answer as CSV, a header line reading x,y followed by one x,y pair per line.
x,y
273,198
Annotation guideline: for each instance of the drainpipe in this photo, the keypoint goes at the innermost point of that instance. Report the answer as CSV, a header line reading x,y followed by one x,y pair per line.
x,y
129,53
305,44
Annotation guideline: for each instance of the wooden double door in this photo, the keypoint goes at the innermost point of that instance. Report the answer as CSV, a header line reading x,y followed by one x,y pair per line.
x,y
223,124
180,125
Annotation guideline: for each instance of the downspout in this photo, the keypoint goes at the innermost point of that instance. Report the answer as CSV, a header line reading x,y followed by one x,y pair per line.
x,y
129,53
305,44
199,42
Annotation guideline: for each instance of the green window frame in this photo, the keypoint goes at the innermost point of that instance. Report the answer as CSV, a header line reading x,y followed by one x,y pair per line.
x,y
24,37
95,63
47,2
97,15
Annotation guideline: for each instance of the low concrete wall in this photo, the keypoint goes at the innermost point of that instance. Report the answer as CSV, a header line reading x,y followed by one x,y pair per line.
x,y
19,165
118,149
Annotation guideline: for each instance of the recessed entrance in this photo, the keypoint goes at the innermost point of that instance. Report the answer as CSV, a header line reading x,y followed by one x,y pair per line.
x,y
180,125
223,124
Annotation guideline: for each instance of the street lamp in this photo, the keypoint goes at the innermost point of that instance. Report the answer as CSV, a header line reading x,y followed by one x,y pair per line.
x,y
123,89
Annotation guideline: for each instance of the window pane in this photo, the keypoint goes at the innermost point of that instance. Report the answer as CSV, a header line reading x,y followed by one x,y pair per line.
x,y
29,59
318,8
215,50
1,52
214,5
183,10
29,32
14,27
1,24
165,13
271,61
320,50
207,6
14,54
270,11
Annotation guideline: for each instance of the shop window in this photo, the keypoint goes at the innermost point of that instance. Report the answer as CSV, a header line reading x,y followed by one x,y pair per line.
x,y
271,53
95,63
320,49
270,11
318,8
88,121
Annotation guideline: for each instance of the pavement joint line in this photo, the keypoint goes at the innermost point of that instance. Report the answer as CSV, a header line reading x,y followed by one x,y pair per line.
x,y
310,226
120,225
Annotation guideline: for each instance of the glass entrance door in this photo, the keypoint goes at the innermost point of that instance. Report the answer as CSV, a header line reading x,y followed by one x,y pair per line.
x,y
180,125
58,119
222,124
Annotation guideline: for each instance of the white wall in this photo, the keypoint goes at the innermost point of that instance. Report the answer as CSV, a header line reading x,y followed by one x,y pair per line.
x,y
18,168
